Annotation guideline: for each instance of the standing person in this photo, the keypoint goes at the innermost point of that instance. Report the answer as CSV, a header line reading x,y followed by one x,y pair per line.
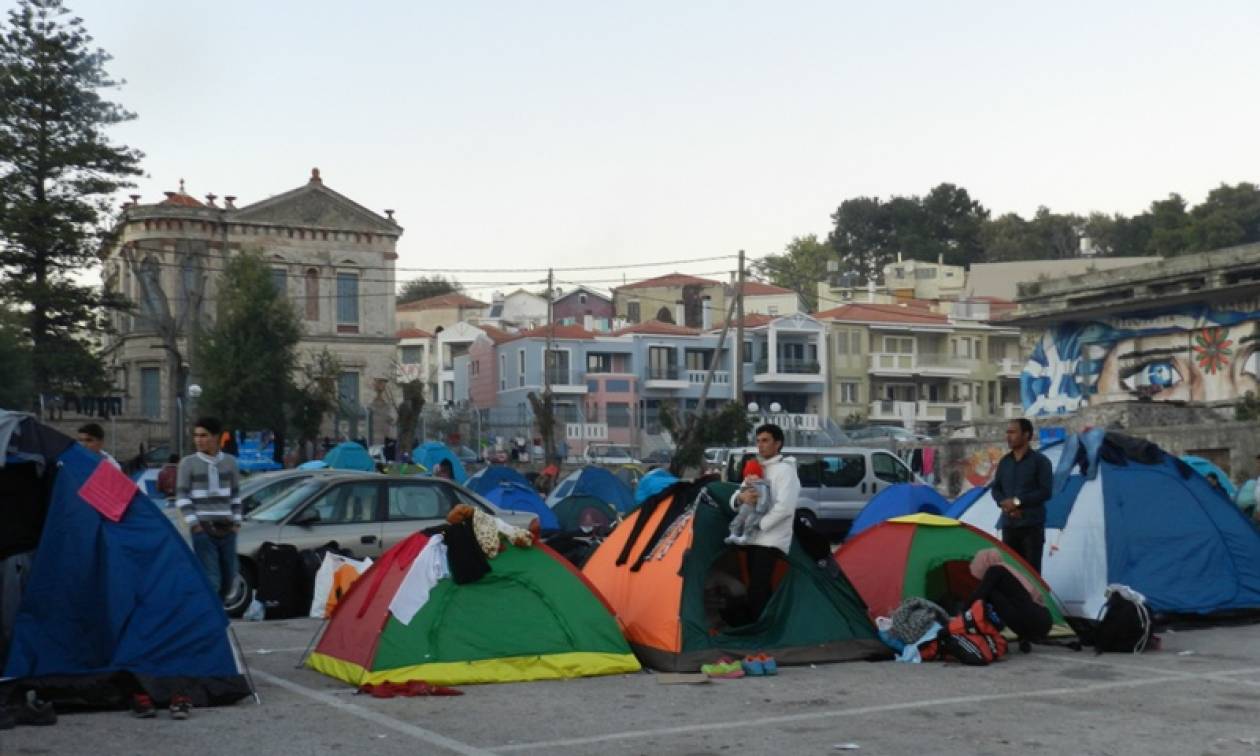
x,y
208,494
92,435
444,469
774,538
1021,487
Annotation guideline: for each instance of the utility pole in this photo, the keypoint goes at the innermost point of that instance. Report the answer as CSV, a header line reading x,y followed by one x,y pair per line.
x,y
739,332
549,441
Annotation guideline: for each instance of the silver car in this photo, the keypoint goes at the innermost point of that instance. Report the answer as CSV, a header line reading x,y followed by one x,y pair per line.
x,y
366,513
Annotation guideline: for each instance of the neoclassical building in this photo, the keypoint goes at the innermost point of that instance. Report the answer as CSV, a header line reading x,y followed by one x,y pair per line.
x,y
332,257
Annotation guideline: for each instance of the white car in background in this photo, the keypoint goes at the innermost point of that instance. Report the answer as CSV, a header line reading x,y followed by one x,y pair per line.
x,y
609,454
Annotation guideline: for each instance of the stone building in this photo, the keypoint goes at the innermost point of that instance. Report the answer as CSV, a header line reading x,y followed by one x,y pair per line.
x,y
674,298
332,257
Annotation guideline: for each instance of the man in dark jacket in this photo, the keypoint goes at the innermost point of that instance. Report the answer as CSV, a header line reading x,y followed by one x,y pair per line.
x,y
1021,487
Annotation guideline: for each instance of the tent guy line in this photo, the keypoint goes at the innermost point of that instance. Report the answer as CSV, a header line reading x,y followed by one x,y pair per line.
x,y
877,709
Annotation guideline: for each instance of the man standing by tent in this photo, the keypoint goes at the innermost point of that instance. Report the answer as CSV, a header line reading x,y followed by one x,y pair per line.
x,y
1021,487
207,492
92,436
774,534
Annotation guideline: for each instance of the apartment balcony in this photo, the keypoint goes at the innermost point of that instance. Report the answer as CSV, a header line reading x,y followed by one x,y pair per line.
x,y
667,378
1011,411
586,431
922,363
788,371
921,411
1009,368
720,377
890,410
566,382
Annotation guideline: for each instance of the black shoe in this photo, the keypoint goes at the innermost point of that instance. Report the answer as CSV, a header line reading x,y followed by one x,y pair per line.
x,y
33,711
142,707
181,707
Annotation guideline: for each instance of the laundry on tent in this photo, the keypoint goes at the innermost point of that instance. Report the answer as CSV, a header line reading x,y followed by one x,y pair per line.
x,y
336,574
895,501
680,591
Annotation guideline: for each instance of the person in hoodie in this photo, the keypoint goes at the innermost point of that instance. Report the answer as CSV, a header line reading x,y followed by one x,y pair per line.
x,y
773,538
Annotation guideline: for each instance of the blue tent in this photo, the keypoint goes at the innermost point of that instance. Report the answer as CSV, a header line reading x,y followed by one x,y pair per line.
x,y
85,633
652,484
896,501
487,478
964,502
523,499
348,455
432,452
597,483
1126,512
1205,468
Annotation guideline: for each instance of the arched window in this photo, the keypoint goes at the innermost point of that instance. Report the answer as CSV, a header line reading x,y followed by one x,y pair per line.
x,y
664,315
312,294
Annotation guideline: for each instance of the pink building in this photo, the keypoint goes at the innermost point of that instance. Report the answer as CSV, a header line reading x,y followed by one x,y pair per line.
x,y
483,368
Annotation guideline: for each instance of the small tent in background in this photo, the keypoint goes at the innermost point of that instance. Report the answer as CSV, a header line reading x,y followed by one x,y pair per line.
x,y
484,480
1205,468
431,453
896,501
347,455
1126,512
532,617
924,556
664,566
523,499
596,483
150,622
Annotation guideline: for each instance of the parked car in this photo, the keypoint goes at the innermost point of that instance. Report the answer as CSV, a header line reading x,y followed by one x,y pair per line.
x,y
262,488
609,454
366,513
894,433
659,457
836,482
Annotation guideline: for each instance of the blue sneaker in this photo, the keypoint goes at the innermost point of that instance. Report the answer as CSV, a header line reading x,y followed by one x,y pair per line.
x,y
753,667
769,664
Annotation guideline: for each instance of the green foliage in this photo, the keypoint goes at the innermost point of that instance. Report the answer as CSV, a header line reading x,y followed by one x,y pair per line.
x,y
729,425
58,173
16,388
1248,408
409,410
801,266
316,398
247,357
424,287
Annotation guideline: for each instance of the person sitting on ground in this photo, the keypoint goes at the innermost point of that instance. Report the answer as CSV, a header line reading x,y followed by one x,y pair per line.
x,y
748,519
1018,603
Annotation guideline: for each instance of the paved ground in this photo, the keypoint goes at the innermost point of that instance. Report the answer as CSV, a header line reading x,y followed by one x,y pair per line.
x,y
1199,695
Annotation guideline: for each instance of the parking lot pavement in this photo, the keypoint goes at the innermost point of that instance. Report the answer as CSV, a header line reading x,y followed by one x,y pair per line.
x,y
1199,695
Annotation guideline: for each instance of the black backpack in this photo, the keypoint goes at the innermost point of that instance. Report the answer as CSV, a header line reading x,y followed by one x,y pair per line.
x,y
1124,625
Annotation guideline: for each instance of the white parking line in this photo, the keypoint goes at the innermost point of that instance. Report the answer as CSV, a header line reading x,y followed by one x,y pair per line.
x,y
383,720
864,710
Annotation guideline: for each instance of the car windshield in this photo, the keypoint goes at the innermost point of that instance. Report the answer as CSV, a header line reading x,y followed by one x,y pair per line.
x,y
281,507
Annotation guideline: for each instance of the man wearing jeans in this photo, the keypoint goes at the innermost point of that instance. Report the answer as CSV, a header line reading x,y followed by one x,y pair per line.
x,y
208,494
1021,487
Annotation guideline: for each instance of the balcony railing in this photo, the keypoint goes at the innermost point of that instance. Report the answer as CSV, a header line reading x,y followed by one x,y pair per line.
x,y
1009,368
663,373
720,377
561,377
921,411
790,366
920,362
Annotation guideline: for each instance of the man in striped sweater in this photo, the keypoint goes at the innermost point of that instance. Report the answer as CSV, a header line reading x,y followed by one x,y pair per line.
x,y
208,494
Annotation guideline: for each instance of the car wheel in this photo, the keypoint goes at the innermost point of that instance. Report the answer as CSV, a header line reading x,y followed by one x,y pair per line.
x,y
242,592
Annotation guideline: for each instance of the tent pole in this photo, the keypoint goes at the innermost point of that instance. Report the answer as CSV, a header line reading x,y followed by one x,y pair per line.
x,y
314,639
240,652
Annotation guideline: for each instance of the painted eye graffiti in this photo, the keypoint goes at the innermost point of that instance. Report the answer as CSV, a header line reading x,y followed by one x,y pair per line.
x,y
1152,378
1251,365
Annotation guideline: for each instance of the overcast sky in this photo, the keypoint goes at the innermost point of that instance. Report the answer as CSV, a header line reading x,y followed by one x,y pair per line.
x,y
527,134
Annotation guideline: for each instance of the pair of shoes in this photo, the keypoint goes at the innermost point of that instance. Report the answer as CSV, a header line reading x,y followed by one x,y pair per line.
x,y
181,706
142,706
33,711
760,665
724,668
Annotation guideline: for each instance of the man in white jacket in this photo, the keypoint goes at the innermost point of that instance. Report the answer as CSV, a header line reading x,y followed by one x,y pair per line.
x,y
774,536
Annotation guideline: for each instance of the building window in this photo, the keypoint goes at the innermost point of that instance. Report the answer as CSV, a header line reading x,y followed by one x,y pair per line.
x,y
772,310
662,363
347,303
599,363
280,281
582,298
924,273
698,359
151,392
849,392
618,414
632,311
747,355
520,368
348,392
312,294
410,355
898,345
842,343
617,386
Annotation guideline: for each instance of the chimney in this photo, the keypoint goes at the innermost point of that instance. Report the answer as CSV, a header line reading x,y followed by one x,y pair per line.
x,y
135,199
315,179
870,291
210,198
229,201
389,214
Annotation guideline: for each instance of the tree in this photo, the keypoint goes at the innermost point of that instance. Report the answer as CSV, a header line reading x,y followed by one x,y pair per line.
x,y
861,237
1230,215
58,171
424,287
1170,226
15,363
316,398
801,266
248,356
727,426
409,410
951,226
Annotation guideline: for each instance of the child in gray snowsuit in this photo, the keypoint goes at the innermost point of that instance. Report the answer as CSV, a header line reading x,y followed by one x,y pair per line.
x,y
748,518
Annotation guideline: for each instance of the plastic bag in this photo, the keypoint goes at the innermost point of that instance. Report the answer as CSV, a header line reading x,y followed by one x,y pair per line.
x,y
256,610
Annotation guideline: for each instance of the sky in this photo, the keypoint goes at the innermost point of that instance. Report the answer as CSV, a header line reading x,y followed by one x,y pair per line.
x,y
556,133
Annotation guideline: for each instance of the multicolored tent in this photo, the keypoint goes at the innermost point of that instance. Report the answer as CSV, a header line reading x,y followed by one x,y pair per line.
x,y
656,568
532,617
898,500
924,556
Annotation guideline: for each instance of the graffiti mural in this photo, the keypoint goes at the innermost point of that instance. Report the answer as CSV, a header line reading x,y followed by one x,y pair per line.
x,y
1196,353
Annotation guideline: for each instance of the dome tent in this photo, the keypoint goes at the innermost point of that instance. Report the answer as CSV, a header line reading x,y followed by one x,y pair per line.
x,y
523,499
895,501
485,479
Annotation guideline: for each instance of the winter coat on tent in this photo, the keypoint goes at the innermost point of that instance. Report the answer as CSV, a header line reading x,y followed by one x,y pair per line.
x,y
597,483
429,454
896,501
348,456
522,498
83,633
484,480
674,585
1128,513
925,556
531,617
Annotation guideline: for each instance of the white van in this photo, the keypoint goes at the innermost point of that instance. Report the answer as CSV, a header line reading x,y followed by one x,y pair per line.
x,y
836,482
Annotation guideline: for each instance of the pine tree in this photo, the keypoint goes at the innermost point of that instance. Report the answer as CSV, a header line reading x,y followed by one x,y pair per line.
x,y
58,172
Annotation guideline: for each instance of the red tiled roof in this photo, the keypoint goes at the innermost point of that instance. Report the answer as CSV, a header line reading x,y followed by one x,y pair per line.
x,y
497,335
413,333
557,332
442,301
658,328
883,313
179,199
751,320
758,289
669,280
